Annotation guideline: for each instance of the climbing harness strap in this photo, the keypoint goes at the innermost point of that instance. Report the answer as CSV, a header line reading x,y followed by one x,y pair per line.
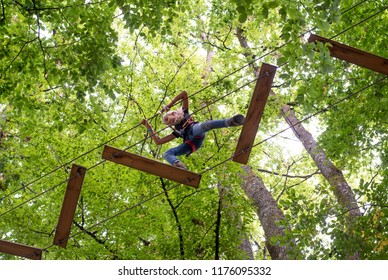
x,y
192,145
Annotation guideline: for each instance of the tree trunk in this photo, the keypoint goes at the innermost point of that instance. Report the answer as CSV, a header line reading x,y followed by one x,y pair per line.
x,y
246,246
247,53
209,57
268,212
333,175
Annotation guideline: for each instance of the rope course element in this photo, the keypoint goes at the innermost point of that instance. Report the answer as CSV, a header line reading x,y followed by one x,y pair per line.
x,y
24,186
69,205
323,110
130,129
255,112
150,166
204,171
99,163
353,55
265,140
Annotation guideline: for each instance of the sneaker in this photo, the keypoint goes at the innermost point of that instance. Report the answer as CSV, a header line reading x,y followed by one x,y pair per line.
x,y
236,120
180,165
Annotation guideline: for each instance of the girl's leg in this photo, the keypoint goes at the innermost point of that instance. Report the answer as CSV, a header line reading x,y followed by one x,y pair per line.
x,y
171,154
201,128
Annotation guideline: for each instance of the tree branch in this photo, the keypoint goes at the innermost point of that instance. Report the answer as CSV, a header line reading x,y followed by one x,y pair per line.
x,y
35,9
181,247
92,233
20,51
359,207
226,38
218,223
187,196
288,175
42,48
247,51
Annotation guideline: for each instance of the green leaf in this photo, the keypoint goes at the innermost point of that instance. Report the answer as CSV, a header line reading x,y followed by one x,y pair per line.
x,y
282,60
273,4
293,13
265,11
243,17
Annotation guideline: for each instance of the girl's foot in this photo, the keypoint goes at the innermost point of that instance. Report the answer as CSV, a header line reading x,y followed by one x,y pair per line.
x,y
236,120
180,165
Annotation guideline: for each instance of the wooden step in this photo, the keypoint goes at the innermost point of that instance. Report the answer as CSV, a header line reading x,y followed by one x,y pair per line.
x,y
254,114
151,166
20,250
69,205
352,55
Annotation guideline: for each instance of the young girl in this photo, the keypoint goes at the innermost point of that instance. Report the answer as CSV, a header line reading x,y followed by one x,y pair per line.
x,y
193,133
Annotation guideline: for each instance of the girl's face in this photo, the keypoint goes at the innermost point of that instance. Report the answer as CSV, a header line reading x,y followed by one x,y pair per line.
x,y
172,117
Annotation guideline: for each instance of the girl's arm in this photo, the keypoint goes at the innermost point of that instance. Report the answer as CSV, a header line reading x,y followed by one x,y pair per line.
x,y
181,96
154,137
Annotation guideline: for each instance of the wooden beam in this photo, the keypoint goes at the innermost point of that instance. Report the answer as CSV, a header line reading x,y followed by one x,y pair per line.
x,y
69,205
355,56
20,250
254,114
151,166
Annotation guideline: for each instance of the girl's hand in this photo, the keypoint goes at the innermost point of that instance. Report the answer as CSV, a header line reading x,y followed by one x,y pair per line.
x,y
165,109
145,123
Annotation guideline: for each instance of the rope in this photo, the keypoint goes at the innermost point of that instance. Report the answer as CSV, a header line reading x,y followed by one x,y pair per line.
x,y
67,180
358,23
224,161
102,161
210,85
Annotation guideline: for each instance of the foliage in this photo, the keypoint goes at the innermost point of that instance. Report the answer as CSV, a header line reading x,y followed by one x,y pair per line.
x,y
78,74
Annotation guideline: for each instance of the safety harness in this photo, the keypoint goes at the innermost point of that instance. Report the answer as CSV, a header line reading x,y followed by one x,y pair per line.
x,y
185,126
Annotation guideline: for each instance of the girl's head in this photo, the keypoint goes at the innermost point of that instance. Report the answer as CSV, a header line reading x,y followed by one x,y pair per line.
x,y
173,117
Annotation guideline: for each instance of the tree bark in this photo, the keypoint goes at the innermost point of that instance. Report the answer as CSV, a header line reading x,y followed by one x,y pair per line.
x,y
333,175
209,57
247,53
268,212
267,208
246,246
342,191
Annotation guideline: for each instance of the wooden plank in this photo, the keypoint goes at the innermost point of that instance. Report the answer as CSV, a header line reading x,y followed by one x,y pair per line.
x,y
151,166
254,114
20,250
355,56
69,205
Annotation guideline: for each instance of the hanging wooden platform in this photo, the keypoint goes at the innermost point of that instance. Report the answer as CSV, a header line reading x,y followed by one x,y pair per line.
x,y
255,112
151,166
20,250
355,56
69,205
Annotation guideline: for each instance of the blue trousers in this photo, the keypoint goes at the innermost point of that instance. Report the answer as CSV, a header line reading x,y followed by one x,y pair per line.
x,y
196,133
